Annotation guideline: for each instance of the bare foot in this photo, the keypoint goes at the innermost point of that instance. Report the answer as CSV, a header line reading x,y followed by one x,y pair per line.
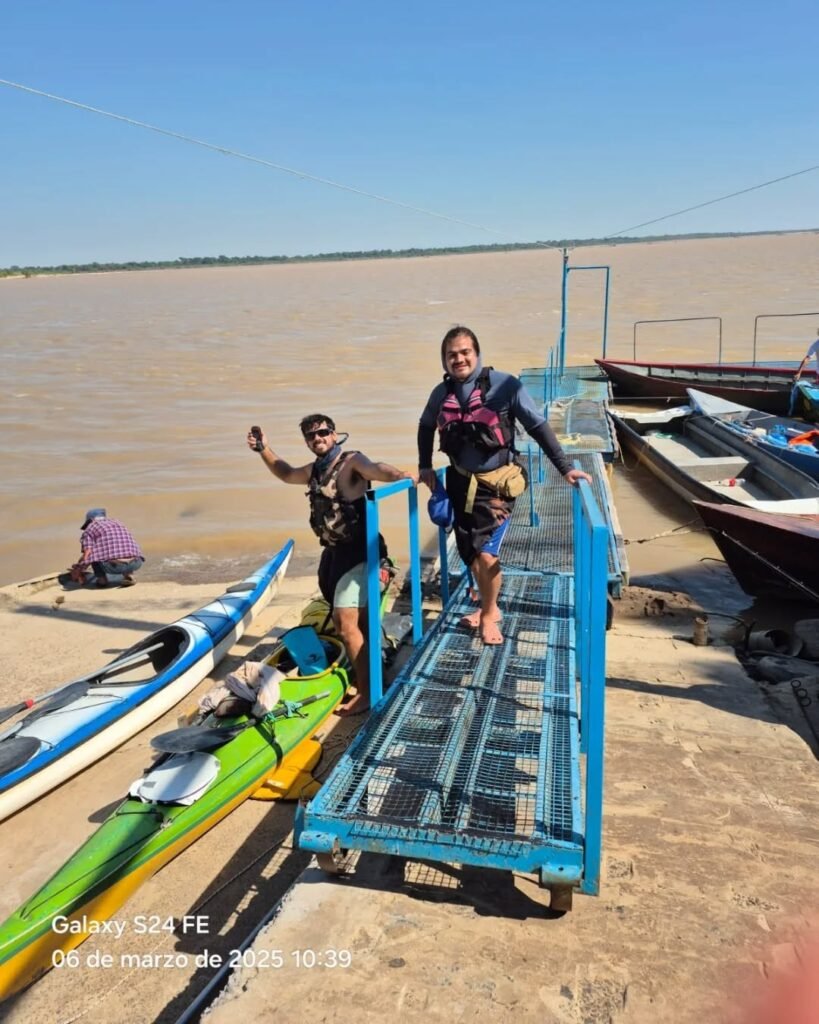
x,y
359,705
490,634
473,620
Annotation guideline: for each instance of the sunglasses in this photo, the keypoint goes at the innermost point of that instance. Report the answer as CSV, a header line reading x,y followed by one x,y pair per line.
x,y
309,435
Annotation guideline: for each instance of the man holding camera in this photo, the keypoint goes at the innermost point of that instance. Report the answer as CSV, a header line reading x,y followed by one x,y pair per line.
x,y
336,483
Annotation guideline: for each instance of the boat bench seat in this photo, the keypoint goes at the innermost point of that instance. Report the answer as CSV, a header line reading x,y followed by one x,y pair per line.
x,y
712,467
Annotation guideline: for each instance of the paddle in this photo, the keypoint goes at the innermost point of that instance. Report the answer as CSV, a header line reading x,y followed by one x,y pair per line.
x,y
70,691
196,737
15,751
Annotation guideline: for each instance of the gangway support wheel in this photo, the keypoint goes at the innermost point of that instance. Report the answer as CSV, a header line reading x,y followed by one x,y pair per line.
x,y
561,900
333,861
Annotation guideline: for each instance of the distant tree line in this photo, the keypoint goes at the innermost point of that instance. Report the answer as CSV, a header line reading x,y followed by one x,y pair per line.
x,y
368,254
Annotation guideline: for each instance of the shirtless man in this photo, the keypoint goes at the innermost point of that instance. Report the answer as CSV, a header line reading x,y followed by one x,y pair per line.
x,y
336,482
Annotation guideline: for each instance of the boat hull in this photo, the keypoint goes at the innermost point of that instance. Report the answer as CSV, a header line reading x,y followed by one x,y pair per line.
x,y
140,838
771,556
89,728
720,477
765,388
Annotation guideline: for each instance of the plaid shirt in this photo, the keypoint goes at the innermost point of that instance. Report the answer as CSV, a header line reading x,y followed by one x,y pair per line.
x,y
106,539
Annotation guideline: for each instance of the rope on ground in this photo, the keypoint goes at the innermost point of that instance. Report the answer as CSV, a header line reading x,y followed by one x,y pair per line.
x,y
684,528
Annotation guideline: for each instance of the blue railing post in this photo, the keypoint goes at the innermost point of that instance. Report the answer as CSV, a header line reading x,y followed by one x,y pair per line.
x,y
374,601
595,714
415,565
534,518
443,554
579,529
550,397
590,595
374,578
563,288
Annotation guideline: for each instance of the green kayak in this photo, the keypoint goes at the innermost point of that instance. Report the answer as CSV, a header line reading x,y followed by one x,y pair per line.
x,y
181,796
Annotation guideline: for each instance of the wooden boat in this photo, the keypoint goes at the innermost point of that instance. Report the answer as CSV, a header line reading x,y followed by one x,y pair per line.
x,y
788,439
772,556
701,458
762,387
179,798
87,718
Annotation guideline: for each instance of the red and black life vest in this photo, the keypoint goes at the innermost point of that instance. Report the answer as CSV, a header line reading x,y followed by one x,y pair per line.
x,y
476,425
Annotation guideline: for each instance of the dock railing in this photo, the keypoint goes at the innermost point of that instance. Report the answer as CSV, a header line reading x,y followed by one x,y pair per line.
x,y
772,316
590,596
374,497
677,320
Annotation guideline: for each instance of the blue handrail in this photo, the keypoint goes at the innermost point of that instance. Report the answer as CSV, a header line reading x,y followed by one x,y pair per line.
x,y
591,595
564,288
373,577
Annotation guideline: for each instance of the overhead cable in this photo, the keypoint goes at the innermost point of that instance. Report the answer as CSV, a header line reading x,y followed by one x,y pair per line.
x,y
225,151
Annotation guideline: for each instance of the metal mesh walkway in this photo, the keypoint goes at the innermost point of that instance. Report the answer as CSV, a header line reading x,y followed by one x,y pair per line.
x,y
576,382
475,757
548,546
582,425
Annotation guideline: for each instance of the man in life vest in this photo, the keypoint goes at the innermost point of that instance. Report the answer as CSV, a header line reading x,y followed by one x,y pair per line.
x,y
336,482
474,411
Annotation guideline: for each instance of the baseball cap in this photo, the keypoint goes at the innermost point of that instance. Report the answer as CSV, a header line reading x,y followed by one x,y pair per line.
x,y
93,513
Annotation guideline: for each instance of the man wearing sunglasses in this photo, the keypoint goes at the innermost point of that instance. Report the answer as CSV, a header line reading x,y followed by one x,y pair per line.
x,y
336,483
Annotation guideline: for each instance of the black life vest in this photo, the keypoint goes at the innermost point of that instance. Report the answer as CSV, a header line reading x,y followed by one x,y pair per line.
x,y
334,519
476,425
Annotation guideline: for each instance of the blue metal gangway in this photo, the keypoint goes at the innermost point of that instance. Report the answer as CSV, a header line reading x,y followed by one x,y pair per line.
x,y
482,755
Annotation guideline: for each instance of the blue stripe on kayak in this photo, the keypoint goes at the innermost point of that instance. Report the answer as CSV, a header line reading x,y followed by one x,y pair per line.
x,y
217,619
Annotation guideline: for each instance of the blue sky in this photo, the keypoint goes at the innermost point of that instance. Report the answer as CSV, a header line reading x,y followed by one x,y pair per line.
x,y
537,120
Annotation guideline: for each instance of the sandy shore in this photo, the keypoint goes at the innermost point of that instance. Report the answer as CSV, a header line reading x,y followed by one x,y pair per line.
x,y
233,873
708,884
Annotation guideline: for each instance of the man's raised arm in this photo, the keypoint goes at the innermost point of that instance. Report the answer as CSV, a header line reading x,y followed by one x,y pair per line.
x,y
278,467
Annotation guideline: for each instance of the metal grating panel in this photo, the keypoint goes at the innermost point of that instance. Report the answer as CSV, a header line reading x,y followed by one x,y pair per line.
x,y
575,382
476,747
582,426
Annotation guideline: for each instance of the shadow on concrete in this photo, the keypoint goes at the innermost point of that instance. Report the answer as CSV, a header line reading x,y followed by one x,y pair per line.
x,y
253,880
490,893
90,618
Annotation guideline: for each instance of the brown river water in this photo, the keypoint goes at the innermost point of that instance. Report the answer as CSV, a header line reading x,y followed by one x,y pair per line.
x,y
135,390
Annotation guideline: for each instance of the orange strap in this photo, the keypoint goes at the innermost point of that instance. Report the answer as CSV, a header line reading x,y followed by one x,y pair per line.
x,y
806,438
